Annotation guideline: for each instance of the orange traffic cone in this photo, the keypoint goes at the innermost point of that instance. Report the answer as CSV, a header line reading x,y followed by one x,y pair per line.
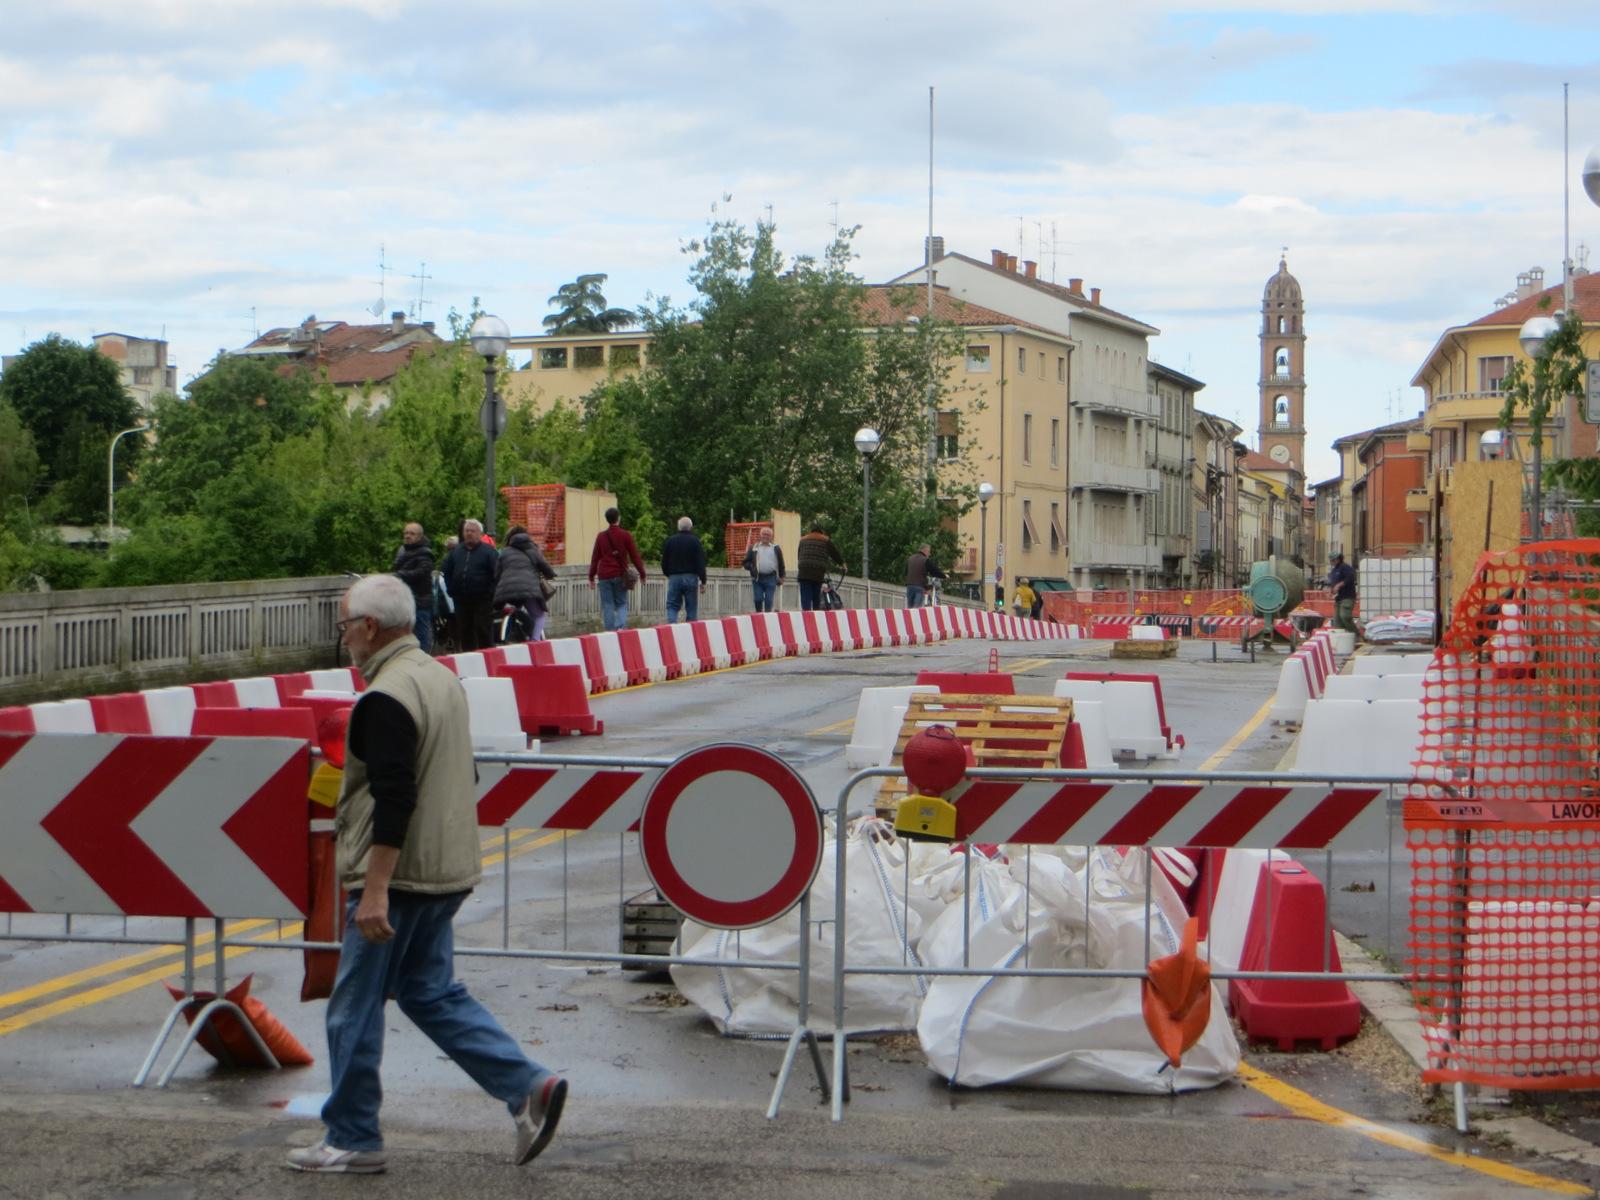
x,y
1177,997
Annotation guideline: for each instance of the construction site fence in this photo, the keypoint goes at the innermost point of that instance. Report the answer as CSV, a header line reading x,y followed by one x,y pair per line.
x,y
1208,613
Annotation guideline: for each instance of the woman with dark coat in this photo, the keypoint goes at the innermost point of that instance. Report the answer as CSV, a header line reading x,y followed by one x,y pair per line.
x,y
516,577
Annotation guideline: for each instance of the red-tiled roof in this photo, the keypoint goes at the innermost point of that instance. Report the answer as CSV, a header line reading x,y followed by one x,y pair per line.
x,y
1052,289
894,304
1257,461
1585,298
352,355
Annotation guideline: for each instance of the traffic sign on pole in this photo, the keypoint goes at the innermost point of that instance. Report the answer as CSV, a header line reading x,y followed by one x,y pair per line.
x,y
731,836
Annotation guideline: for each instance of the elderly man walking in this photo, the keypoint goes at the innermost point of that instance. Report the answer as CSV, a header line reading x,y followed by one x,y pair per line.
x,y
469,572
683,562
408,856
413,564
764,561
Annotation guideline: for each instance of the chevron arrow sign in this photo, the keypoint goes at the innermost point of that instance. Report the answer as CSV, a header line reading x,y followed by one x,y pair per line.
x,y
153,826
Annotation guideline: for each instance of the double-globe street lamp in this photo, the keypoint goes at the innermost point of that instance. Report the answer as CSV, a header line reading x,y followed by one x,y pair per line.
x,y
490,336
1535,332
111,479
985,494
867,443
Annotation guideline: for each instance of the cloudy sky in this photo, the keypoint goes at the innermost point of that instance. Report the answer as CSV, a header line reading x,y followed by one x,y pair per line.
x,y
201,170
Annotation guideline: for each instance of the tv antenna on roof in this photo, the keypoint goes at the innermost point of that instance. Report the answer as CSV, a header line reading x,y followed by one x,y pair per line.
x,y
420,303
377,309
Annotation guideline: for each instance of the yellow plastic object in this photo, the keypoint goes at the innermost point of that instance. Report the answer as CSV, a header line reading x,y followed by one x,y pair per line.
x,y
324,786
925,819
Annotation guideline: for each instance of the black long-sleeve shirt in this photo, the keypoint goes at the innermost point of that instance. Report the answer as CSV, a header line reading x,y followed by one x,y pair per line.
x,y
383,735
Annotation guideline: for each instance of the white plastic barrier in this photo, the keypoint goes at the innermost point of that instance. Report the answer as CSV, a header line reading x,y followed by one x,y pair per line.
x,y
1230,907
1091,718
745,624
171,709
611,661
772,631
336,679
63,716
568,652
492,711
517,654
1373,687
1344,642
1132,722
650,650
716,639
682,635
1391,664
260,691
912,631
1147,633
1359,737
470,665
1298,682
876,726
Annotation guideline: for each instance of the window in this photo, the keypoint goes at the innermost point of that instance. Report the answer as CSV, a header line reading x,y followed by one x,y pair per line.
x,y
1061,369
1030,535
625,356
144,375
1027,437
948,433
1041,364
1492,373
553,358
1283,324
1058,539
1055,441
1280,362
589,356
1022,361
1280,410
977,358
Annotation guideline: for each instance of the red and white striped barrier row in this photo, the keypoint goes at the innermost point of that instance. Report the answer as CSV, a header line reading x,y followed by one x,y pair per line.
x,y
603,799
1094,813
1303,677
153,826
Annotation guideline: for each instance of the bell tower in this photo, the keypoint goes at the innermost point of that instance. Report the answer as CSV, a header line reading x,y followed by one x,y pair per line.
x,y
1282,429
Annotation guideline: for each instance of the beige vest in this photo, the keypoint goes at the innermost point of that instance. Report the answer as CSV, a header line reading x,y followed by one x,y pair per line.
x,y
440,854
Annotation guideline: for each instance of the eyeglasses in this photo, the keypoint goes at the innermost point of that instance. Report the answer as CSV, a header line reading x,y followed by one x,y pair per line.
x,y
341,626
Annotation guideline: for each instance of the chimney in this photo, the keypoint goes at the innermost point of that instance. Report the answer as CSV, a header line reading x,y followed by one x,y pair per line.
x,y
397,321
997,259
1030,268
428,325
1075,286
1011,263
1094,295
933,249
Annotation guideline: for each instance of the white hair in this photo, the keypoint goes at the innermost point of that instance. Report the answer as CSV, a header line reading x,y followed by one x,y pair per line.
x,y
383,598
472,523
684,524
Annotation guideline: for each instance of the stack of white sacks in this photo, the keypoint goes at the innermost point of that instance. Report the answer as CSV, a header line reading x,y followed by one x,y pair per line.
x,y
905,905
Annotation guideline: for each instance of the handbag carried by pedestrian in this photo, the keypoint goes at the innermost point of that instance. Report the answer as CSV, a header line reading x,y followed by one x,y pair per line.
x,y
630,577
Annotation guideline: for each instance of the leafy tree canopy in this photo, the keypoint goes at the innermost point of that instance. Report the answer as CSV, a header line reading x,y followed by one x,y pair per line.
x,y
581,308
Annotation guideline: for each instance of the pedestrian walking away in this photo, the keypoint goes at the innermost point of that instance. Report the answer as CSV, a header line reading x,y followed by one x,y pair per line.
x,y
614,555
919,569
518,577
469,574
683,565
1342,579
407,854
413,564
764,561
1022,603
812,559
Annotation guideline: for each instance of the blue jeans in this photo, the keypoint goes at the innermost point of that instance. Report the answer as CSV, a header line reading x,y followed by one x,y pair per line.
x,y
765,587
613,602
683,591
914,597
810,594
424,628
417,968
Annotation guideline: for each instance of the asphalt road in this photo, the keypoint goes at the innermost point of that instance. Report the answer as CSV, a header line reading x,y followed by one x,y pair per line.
x,y
663,1106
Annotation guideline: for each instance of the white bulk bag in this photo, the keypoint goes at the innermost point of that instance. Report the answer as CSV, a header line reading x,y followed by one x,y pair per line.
x,y
747,1000
1084,1034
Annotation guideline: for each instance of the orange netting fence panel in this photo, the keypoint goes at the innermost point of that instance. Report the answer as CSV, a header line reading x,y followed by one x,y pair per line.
x,y
1503,824
541,508
739,536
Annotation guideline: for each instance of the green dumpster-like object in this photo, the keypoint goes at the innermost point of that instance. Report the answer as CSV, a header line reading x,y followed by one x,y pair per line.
x,y
1276,586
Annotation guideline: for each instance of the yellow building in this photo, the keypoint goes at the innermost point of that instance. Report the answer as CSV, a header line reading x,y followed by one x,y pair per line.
x,y
566,367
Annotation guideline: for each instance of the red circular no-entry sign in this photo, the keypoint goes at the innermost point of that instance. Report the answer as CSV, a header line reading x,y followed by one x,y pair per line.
x,y
731,836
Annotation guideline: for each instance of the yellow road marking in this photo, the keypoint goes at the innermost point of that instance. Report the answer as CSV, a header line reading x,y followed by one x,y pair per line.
x,y
122,987
836,727
1301,1104
1026,664
1238,739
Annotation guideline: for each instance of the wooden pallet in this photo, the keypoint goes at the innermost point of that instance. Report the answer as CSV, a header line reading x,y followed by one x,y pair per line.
x,y
1139,648
998,731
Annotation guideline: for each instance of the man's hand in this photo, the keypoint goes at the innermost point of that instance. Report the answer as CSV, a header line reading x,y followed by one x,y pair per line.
x,y
372,915
591,585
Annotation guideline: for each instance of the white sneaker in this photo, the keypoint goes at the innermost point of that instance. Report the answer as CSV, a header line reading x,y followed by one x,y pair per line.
x,y
323,1157
536,1123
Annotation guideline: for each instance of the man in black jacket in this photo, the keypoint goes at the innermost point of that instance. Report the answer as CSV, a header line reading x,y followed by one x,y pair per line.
x,y
683,562
413,563
469,572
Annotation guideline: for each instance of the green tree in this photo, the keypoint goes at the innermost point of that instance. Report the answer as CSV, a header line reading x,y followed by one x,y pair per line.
x,y
71,400
581,308
1533,389
19,466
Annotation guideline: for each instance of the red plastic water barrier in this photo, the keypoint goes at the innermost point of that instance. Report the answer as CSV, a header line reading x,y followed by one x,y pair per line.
x,y
702,646
632,656
1286,1011
123,712
792,634
738,654
298,722
971,683
669,651
763,648
217,694
493,657
542,654
844,628
290,686
16,719
593,664
881,627
552,700
813,629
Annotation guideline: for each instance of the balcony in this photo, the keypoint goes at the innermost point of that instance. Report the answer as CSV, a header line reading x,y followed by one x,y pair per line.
x,y
1463,406
1418,501
1104,555
1106,397
1113,477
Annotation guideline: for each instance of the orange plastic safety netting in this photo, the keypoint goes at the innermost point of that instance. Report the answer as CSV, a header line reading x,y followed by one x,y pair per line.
x,y
1503,825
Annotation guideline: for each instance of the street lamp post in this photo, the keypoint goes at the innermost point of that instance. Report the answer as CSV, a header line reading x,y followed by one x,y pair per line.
x,y
489,337
1535,332
985,491
867,443
111,479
